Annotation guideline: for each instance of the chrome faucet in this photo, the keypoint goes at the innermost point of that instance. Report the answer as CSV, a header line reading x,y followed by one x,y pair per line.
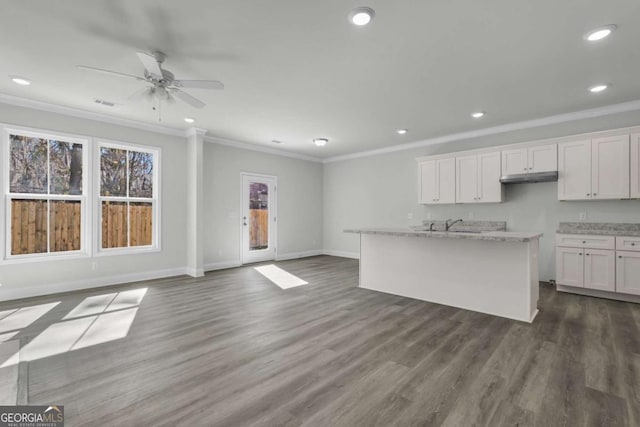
x,y
448,225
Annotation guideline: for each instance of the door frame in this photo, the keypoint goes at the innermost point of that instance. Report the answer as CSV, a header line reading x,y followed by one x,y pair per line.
x,y
273,202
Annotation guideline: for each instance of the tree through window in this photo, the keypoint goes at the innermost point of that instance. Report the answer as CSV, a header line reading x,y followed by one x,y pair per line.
x,y
46,194
127,197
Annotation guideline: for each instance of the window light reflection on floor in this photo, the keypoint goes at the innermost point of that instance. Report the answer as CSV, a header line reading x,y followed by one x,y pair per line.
x,y
12,320
280,277
96,320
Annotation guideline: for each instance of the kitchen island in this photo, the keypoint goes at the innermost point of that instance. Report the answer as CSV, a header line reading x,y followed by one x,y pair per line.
x,y
493,272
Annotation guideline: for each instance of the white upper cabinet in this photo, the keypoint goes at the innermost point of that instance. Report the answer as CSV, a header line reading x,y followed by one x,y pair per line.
x,y
437,181
515,161
594,169
467,179
489,186
427,181
610,168
635,166
542,158
574,170
478,178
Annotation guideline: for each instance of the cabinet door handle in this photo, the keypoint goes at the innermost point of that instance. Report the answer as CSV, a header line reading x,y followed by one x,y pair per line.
x,y
587,254
595,194
619,256
580,254
584,241
633,244
588,194
525,168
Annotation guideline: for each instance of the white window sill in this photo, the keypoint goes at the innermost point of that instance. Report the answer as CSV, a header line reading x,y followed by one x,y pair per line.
x,y
26,259
127,251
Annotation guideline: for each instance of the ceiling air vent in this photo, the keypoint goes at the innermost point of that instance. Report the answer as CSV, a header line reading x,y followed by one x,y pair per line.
x,y
103,102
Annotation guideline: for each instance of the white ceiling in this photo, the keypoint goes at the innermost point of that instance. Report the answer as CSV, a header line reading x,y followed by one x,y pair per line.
x,y
295,70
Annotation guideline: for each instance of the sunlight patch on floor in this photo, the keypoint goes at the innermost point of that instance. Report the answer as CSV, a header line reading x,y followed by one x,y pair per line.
x,y
280,277
96,320
12,320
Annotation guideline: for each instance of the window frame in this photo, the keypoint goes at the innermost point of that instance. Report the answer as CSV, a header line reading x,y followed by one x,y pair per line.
x,y
6,257
155,200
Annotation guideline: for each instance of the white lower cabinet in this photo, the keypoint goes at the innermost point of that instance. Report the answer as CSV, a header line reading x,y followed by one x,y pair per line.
x,y
570,267
600,270
603,263
628,272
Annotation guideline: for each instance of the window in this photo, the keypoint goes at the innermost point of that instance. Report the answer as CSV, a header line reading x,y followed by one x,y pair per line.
x,y
128,197
45,194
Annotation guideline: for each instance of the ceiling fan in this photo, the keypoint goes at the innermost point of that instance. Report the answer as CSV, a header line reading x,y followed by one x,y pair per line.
x,y
163,84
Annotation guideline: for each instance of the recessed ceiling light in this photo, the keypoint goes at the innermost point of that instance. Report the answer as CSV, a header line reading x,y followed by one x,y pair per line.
x,y
598,88
320,142
600,33
402,131
275,141
189,120
477,114
20,80
361,16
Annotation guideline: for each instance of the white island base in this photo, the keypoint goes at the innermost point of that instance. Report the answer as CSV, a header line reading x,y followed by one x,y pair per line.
x,y
489,276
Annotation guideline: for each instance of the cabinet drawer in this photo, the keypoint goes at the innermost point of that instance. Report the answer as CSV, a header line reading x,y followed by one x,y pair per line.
x,y
585,241
628,243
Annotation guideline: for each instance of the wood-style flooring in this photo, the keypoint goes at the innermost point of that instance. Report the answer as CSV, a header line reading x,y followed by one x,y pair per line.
x,y
233,349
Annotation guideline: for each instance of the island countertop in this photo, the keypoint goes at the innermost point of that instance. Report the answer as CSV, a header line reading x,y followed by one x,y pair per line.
x,y
495,236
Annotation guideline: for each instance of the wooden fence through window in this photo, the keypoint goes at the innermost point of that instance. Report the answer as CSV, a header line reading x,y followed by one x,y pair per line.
x,y
258,229
29,225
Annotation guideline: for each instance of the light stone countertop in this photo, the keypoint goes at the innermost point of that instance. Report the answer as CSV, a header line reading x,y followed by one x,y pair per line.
x,y
599,229
492,236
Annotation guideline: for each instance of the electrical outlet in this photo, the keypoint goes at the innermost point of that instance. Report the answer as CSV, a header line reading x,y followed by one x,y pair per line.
x,y
583,216
410,215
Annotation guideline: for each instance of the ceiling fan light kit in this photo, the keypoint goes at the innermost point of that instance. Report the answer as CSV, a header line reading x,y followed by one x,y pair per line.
x,y
163,84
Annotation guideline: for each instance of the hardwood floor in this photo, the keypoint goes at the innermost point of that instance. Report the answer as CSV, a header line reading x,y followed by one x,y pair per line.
x,y
233,349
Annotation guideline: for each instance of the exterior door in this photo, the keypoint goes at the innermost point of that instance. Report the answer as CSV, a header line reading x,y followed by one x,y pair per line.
x,y
258,222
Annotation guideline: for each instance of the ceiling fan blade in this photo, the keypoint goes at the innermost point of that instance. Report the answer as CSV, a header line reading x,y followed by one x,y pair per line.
x,y
140,94
113,73
199,84
150,64
194,102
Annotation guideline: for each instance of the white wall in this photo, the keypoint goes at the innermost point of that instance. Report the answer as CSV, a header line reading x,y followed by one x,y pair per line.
x,y
382,190
21,280
299,203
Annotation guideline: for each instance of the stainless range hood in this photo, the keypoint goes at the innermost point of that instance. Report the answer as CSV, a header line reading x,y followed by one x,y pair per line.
x,y
521,178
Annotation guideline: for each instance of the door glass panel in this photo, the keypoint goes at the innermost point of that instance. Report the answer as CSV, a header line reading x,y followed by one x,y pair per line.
x,y
258,216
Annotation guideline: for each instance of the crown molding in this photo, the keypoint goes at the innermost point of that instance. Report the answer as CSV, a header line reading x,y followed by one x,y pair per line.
x,y
624,107
83,114
267,150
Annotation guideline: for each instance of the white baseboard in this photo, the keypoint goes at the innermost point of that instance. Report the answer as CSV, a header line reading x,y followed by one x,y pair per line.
x,y
342,254
295,255
8,294
222,265
195,272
